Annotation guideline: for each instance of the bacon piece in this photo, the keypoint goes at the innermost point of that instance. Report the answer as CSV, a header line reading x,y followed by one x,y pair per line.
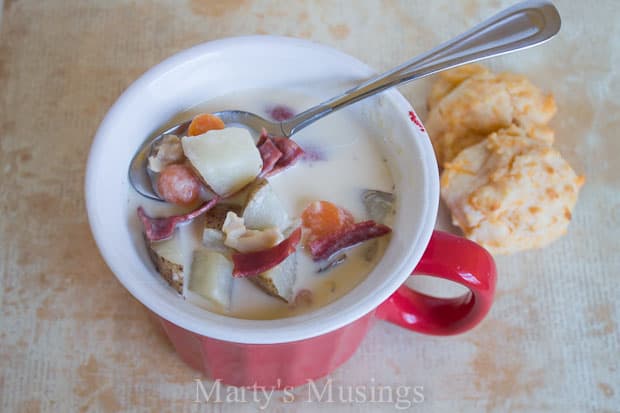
x,y
263,137
270,154
157,229
290,152
254,263
323,248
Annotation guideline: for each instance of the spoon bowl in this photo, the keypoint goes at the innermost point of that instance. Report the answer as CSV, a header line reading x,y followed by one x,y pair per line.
x,y
142,178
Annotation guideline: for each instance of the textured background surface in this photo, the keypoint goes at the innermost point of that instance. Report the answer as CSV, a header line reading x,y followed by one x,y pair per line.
x,y
72,339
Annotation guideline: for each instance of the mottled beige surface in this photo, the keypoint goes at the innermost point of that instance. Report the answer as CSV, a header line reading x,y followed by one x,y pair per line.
x,y
72,339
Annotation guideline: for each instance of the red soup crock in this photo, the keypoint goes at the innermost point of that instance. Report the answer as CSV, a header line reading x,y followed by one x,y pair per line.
x,y
293,363
289,351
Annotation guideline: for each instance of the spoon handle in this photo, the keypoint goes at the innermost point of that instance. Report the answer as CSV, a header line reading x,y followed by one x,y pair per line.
x,y
523,25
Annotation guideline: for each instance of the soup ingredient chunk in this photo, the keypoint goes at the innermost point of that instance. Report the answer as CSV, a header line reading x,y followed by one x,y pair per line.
x,y
270,154
510,192
177,184
332,229
167,255
248,240
168,151
215,217
291,152
212,235
263,209
157,229
204,123
323,219
211,277
278,152
378,204
279,280
226,160
254,263
325,247
213,239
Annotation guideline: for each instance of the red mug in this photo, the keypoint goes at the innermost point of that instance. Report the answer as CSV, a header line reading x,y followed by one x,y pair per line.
x,y
290,364
289,351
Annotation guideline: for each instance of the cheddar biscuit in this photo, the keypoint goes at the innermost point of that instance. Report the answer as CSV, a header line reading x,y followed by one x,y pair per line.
x,y
510,192
468,103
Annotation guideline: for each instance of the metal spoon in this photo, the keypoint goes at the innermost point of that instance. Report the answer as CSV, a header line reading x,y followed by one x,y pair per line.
x,y
518,27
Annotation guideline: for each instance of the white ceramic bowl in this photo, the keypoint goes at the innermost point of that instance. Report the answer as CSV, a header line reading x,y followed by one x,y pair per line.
x,y
219,67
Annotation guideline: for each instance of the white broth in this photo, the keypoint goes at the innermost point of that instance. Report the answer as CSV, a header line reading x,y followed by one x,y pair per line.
x,y
343,159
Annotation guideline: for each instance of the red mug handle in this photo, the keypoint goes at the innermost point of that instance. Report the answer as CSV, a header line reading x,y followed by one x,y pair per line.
x,y
451,258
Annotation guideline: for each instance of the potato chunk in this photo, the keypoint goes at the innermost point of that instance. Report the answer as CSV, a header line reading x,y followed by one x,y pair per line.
x,y
211,277
215,217
213,239
279,280
226,159
167,255
263,209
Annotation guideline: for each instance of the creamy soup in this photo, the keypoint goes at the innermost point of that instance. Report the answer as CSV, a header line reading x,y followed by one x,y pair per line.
x,y
342,160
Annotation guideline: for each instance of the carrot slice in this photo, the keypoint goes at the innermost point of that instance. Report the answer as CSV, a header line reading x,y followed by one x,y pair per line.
x,y
178,184
204,123
323,219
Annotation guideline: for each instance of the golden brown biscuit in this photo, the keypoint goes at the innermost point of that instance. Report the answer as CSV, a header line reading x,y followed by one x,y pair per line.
x,y
510,192
468,103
